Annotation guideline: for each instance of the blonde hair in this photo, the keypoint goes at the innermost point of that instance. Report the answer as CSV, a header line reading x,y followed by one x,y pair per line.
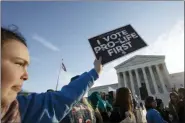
x,y
84,101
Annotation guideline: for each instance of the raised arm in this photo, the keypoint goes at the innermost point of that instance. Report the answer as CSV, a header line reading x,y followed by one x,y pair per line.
x,y
54,106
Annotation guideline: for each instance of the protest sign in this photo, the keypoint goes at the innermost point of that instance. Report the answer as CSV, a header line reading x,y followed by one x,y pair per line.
x,y
116,43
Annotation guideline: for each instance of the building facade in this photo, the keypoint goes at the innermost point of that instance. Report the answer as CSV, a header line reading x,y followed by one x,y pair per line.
x,y
104,88
177,80
145,70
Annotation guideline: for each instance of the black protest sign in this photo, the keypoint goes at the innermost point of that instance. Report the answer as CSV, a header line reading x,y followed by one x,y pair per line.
x,y
117,43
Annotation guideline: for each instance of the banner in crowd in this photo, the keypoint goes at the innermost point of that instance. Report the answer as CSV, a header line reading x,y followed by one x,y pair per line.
x,y
116,43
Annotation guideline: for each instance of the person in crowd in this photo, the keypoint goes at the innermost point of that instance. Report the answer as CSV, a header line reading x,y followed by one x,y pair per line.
x,y
91,110
174,90
104,107
134,106
102,104
160,108
107,97
82,112
122,108
181,105
50,90
44,107
93,100
111,97
141,106
107,105
152,116
134,103
173,107
141,114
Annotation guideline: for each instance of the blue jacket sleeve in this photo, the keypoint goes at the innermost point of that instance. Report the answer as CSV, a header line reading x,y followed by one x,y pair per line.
x,y
54,106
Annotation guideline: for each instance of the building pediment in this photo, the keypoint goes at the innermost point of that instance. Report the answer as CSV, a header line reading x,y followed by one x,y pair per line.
x,y
140,59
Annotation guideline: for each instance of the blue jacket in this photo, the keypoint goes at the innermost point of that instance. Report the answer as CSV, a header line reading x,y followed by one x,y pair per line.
x,y
51,107
153,116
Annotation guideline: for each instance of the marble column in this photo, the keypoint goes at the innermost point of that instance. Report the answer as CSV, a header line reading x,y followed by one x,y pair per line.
x,y
124,79
138,81
131,83
161,79
146,82
137,77
119,80
153,80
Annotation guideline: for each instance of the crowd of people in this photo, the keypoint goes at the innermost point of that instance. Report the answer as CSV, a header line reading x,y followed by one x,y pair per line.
x,y
100,107
69,104
174,112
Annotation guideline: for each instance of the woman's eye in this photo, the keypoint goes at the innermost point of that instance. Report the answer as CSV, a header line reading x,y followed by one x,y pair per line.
x,y
20,64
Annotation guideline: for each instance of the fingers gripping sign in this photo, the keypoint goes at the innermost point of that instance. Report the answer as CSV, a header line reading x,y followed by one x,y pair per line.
x,y
98,65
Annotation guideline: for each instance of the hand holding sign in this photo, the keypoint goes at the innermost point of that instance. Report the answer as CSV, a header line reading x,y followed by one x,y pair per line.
x,y
98,65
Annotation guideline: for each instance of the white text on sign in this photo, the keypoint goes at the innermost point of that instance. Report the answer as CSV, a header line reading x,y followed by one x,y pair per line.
x,y
122,38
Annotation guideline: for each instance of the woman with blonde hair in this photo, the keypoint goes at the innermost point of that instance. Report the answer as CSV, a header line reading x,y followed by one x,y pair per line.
x,y
82,112
94,99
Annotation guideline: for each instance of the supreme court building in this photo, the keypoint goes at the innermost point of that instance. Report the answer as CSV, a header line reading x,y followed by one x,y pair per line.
x,y
144,70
